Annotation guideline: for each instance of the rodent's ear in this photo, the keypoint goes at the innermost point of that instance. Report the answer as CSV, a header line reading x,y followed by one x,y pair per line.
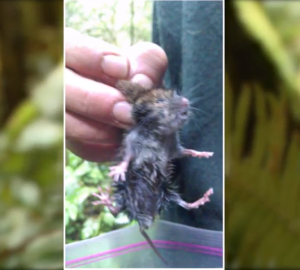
x,y
130,90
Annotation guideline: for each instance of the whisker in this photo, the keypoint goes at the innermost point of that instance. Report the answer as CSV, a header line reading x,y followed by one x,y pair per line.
x,y
203,95
199,110
194,87
193,118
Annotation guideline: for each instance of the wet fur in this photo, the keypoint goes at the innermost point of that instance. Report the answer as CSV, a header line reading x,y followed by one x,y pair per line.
x,y
154,141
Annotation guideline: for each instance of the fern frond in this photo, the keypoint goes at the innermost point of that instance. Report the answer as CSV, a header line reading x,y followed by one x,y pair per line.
x,y
263,186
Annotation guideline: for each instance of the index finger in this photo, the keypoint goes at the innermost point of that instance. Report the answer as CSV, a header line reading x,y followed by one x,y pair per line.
x,y
94,58
95,100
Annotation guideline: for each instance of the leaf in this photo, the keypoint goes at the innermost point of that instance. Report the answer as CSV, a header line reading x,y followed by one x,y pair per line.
x,y
90,227
108,219
50,89
25,191
82,169
40,253
17,226
50,134
122,219
24,115
72,211
83,194
262,198
240,122
253,18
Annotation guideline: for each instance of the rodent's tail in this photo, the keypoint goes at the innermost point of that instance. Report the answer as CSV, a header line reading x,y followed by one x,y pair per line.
x,y
152,245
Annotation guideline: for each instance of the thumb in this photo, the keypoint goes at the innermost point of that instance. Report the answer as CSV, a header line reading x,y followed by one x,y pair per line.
x,y
148,63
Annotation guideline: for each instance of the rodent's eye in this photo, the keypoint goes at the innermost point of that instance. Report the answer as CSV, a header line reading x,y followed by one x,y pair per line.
x,y
161,100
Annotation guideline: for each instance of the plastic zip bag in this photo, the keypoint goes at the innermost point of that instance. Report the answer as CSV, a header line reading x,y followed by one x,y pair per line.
x,y
181,246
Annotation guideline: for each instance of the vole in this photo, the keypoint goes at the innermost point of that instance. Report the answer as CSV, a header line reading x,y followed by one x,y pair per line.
x,y
142,187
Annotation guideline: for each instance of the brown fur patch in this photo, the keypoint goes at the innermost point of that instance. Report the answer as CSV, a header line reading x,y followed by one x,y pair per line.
x,y
152,96
130,90
135,93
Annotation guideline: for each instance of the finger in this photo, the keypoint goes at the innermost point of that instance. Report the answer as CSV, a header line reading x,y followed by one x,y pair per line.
x,y
84,129
92,151
94,58
95,100
148,63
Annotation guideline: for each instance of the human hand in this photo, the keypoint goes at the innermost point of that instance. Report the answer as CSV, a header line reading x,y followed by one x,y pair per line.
x,y
95,110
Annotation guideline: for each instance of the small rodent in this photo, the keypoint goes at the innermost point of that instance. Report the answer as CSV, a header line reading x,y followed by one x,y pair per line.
x,y
142,187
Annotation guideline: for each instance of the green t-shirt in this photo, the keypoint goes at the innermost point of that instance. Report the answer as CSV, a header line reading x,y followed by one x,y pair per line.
x,y
191,34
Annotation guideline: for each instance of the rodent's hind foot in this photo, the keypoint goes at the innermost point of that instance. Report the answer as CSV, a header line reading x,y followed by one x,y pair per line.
x,y
103,197
197,203
117,172
201,201
194,153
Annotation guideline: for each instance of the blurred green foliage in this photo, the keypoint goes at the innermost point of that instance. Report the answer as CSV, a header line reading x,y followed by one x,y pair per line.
x,y
121,23
285,18
82,219
262,148
31,186
31,135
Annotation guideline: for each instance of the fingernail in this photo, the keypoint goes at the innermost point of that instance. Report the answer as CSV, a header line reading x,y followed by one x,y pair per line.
x,y
115,66
122,112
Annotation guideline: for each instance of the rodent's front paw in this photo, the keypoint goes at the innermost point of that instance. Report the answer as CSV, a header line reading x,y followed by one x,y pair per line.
x,y
194,153
117,172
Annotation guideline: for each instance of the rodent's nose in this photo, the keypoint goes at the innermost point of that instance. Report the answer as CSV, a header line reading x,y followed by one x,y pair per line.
x,y
184,102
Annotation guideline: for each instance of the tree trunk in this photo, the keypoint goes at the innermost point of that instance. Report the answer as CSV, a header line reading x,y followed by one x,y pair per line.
x,y
12,57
